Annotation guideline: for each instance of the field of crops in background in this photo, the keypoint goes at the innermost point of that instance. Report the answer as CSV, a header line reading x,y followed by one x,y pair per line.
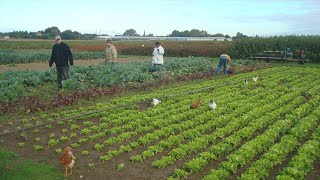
x,y
34,51
25,51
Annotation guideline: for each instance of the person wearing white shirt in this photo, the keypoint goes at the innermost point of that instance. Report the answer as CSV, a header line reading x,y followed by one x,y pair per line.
x,y
157,56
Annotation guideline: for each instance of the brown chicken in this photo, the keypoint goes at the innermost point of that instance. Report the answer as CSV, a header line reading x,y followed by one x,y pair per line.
x,y
195,105
67,160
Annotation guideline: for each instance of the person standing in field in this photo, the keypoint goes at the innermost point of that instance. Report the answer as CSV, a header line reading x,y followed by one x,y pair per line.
x,y
157,56
224,59
110,53
61,55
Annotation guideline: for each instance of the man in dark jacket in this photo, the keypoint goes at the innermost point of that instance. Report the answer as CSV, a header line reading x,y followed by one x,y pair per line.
x,y
60,55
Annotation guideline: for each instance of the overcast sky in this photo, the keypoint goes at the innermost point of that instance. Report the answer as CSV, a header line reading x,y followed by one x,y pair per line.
x,y
250,17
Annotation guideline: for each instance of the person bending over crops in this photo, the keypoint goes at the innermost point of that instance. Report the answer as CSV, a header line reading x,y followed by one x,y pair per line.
x,y
61,55
157,56
111,53
224,59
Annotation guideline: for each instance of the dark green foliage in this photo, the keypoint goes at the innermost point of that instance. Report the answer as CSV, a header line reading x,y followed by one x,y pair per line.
x,y
15,84
8,56
243,48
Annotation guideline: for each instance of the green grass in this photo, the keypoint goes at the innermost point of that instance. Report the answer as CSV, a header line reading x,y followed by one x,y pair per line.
x,y
12,167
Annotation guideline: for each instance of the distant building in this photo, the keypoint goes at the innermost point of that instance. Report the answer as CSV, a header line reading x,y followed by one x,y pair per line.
x,y
6,37
103,37
162,38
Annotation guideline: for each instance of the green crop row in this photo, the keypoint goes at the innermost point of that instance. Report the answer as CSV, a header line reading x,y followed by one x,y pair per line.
x,y
8,56
255,127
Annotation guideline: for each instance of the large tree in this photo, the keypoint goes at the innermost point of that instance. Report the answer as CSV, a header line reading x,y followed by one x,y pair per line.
x,y
239,35
130,32
51,32
187,33
68,34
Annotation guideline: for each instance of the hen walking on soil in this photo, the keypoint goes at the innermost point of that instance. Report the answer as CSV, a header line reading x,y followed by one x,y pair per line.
x,y
67,160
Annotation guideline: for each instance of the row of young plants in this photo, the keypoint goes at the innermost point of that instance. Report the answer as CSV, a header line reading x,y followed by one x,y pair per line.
x,y
170,116
175,124
197,145
241,157
114,131
233,124
54,141
140,122
278,152
302,163
193,165
131,125
262,143
109,104
118,101
243,110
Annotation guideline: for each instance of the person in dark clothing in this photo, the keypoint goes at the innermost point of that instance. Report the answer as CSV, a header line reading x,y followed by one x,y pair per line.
x,y
60,55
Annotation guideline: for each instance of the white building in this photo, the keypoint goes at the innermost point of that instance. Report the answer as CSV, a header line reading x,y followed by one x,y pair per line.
x,y
162,38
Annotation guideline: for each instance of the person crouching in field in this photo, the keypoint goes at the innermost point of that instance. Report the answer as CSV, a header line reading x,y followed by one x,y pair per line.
x,y
111,53
61,55
157,56
224,59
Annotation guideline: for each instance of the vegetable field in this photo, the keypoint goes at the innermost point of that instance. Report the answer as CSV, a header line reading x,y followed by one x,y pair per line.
x,y
28,51
269,129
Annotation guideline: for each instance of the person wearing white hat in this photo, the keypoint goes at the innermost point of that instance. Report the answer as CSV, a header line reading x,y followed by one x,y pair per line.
x,y
61,55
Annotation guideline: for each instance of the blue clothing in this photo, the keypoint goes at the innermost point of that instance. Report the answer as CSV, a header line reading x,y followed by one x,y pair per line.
x,y
222,62
154,67
289,53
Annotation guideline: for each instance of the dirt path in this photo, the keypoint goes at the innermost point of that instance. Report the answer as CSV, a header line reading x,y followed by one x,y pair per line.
x,y
44,65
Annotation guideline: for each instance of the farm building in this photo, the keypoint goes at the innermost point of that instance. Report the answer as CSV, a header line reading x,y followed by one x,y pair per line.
x,y
161,38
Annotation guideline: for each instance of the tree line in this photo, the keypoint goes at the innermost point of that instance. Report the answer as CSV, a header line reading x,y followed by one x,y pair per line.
x,y
48,33
51,32
187,33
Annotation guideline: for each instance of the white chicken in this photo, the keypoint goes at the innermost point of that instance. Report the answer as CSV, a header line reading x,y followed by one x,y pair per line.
x,y
255,79
155,102
212,105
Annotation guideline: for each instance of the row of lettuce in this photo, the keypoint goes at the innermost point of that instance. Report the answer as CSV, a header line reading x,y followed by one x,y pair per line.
x,y
268,120
13,52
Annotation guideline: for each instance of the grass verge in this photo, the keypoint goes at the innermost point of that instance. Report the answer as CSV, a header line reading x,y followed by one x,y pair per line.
x,y
14,167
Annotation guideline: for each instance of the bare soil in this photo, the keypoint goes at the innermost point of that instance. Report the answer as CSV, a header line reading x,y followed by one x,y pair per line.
x,y
44,65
